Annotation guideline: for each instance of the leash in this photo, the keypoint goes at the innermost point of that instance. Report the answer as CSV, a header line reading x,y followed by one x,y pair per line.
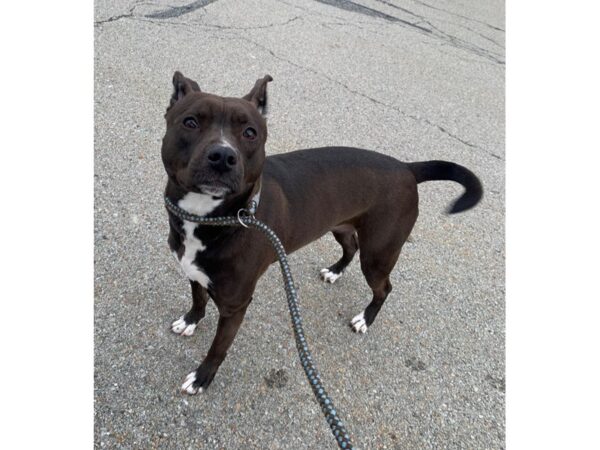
x,y
245,217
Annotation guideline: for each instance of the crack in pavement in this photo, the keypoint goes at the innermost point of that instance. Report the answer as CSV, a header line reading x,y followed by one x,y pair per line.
x,y
483,36
178,11
458,15
215,27
454,55
329,25
120,16
113,18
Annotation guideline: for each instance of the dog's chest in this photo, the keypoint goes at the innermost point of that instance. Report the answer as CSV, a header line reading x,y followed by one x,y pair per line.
x,y
201,205
192,245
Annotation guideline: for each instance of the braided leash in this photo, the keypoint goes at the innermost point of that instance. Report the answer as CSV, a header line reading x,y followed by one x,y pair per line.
x,y
245,217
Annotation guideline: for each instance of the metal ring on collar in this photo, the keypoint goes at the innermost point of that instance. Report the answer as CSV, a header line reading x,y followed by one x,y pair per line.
x,y
245,213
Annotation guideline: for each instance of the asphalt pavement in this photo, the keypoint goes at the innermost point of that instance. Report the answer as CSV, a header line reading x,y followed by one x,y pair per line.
x,y
414,79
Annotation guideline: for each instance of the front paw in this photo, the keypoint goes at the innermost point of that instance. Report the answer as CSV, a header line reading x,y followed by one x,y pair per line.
x,y
182,327
330,276
198,381
190,386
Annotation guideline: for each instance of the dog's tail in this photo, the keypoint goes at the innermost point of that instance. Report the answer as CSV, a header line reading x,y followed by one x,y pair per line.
x,y
444,170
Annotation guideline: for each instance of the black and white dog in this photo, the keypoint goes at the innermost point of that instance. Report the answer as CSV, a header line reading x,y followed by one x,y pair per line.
x,y
214,155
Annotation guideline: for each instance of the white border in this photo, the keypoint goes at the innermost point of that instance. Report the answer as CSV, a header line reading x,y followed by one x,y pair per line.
x,y
552,226
47,225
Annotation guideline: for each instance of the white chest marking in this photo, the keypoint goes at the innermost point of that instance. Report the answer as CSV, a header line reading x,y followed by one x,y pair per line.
x,y
200,205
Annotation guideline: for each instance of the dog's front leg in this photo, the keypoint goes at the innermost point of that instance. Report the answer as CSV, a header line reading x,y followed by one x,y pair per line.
x,y
229,324
186,324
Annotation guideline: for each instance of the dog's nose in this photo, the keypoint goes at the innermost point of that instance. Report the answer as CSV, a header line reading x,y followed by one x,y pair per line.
x,y
222,159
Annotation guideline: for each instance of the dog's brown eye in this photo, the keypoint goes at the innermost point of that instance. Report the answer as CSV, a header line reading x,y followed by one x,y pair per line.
x,y
250,133
190,122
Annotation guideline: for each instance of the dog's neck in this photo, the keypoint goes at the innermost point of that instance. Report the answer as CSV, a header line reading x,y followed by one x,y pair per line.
x,y
209,205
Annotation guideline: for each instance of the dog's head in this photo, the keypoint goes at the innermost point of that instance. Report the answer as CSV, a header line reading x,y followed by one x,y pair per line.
x,y
214,145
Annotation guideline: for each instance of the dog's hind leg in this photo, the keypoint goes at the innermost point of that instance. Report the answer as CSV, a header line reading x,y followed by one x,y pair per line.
x,y
186,324
347,238
379,282
380,246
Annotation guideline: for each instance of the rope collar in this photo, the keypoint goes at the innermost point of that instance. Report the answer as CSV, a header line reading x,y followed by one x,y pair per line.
x,y
250,210
255,200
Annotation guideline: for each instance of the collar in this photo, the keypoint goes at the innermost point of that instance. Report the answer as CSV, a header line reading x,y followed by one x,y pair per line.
x,y
255,197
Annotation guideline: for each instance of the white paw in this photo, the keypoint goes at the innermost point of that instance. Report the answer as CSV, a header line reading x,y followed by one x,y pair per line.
x,y
188,387
358,323
181,327
329,276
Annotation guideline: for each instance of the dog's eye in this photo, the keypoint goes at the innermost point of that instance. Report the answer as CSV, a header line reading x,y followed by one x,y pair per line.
x,y
190,122
250,133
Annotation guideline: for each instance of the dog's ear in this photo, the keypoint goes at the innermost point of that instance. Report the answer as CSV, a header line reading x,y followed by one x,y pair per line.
x,y
258,94
181,87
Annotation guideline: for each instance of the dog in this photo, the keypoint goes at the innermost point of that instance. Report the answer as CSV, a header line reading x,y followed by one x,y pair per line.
x,y
214,156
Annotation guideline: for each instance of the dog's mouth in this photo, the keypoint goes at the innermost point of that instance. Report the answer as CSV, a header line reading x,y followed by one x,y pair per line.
x,y
206,185
214,188
214,191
